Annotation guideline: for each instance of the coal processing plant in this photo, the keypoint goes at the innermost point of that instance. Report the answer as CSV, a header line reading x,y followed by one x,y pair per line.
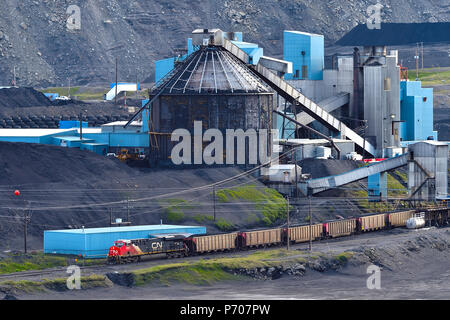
x,y
363,107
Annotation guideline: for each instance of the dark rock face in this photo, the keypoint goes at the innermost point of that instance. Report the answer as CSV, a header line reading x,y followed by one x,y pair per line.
x,y
34,36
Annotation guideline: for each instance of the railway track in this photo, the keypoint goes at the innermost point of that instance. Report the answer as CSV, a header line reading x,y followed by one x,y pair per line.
x,y
377,225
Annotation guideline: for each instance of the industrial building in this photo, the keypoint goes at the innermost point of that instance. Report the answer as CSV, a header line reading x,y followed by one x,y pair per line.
x,y
362,105
95,242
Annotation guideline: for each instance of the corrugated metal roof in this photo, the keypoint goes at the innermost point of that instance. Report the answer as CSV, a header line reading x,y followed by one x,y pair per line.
x,y
160,227
214,70
122,123
72,138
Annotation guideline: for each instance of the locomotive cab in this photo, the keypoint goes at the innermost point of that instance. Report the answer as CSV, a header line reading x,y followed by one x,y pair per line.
x,y
121,243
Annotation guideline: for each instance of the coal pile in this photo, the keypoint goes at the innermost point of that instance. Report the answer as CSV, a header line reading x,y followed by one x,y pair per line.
x,y
22,98
52,121
70,188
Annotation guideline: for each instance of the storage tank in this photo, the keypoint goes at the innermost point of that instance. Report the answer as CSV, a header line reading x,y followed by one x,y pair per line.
x,y
211,86
416,221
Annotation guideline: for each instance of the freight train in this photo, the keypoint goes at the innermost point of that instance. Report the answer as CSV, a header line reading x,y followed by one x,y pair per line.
x,y
187,245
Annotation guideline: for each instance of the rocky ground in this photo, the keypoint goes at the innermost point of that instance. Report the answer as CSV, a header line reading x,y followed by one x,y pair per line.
x,y
413,265
35,39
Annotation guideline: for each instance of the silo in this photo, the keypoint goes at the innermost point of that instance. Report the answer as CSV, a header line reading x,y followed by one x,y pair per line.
x,y
211,86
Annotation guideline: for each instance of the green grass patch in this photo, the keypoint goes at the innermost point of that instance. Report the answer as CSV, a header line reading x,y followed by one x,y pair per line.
x,y
344,257
174,209
201,218
431,76
39,261
205,272
395,188
224,225
62,91
269,202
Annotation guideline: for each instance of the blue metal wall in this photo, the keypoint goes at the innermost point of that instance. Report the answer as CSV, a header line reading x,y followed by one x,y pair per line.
x,y
251,49
69,124
98,148
163,67
416,105
377,185
94,243
312,46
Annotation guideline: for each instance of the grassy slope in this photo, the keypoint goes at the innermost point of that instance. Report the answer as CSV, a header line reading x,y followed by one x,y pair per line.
x,y
213,270
269,202
38,261
431,77
201,272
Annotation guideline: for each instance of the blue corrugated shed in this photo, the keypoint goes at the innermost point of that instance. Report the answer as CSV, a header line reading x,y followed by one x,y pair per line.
x,y
416,105
51,96
69,124
99,148
377,185
306,51
95,242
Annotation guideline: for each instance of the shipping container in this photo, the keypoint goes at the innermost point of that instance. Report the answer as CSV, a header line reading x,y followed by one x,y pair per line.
x,y
302,233
218,242
373,222
262,237
341,228
398,219
95,242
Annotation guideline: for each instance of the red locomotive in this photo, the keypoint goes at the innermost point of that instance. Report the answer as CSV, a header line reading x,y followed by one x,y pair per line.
x,y
133,250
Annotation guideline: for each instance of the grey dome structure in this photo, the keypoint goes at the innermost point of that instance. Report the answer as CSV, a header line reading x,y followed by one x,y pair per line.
x,y
214,70
212,86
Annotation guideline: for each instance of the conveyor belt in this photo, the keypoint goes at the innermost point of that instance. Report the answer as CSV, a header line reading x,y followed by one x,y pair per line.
x,y
322,184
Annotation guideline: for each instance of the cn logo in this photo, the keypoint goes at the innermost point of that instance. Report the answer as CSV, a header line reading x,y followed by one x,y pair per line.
x,y
374,280
374,20
156,245
74,20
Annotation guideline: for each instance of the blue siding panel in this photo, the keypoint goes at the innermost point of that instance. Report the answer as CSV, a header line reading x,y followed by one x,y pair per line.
x,y
95,242
312,46
416,108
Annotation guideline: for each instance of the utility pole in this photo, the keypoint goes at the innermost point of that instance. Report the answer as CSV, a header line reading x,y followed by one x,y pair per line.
x,y
115,98
417,61
81,126
214,201
68,93
310,224
128,209
364,137
296,176
287,211
14,77
26,220
421,44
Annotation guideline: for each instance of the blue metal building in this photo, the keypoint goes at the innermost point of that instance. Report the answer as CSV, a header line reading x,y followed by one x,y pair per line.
x,y
95,242
377,186
416,107
306,52
252,49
